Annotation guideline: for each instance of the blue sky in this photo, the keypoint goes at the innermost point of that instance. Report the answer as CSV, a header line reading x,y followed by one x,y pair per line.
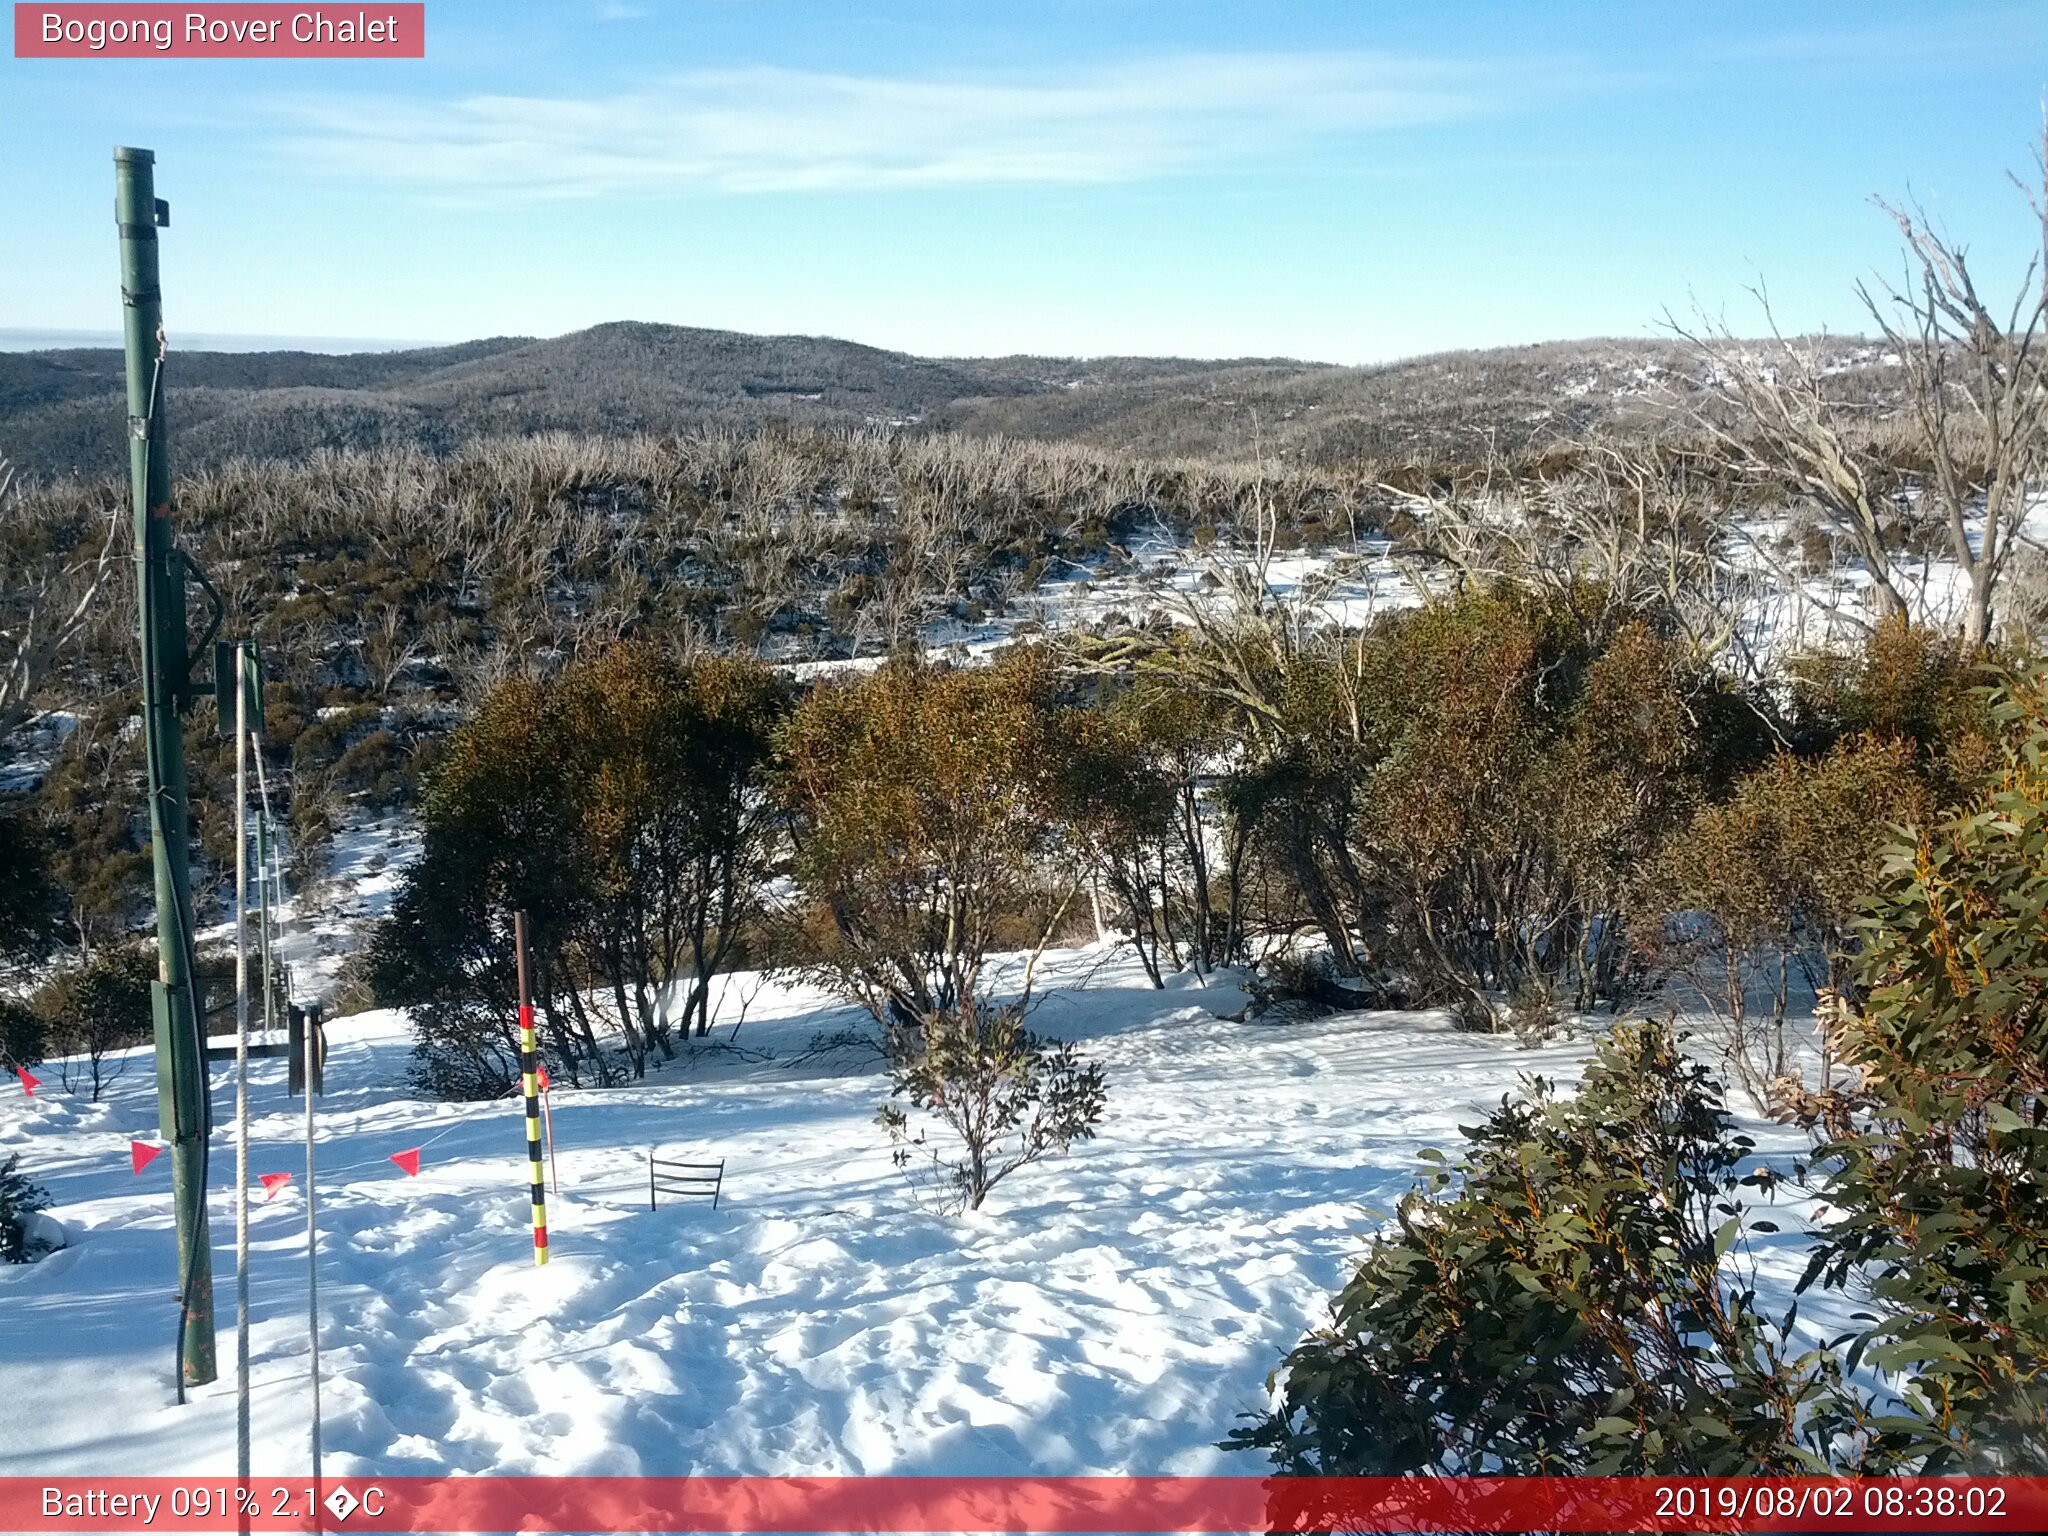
x,y
1349,181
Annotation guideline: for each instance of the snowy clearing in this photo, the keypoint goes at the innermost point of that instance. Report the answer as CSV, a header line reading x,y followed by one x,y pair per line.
x,y
1109,1312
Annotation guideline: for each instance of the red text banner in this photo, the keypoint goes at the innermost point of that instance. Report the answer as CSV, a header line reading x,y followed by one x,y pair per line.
x,y
116,31
1021,1504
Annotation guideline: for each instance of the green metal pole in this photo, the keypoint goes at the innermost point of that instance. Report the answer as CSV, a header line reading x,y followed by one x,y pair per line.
x,y
182,1099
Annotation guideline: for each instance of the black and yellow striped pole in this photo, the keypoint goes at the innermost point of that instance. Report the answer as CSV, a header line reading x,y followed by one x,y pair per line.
x,y
529,1083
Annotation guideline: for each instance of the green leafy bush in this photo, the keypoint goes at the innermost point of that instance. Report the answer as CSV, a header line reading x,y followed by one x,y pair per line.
x,y
19,1199
1010,1097
24,1034
31,900
97,1011
1568,1299
1939,1152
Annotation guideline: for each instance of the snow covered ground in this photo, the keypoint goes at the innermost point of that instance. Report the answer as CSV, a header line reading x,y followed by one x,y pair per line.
x,y
1782,608
1111,1311
1345,586
33,748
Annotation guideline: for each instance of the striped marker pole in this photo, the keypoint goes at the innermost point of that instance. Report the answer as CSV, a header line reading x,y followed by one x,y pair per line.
x,y
529,1082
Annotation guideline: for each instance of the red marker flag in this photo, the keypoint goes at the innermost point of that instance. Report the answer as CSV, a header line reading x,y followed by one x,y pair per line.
x,y
29,1081
144,1153
543,1079
273,1182
408,1160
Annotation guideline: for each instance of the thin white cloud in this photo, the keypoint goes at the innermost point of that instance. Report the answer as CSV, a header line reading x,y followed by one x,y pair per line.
x,y
778,130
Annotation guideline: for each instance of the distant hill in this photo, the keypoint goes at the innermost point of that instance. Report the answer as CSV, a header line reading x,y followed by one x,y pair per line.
x,y
15,338
1446,407
61,412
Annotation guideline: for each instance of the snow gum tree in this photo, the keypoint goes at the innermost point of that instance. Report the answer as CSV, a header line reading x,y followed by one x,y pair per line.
x,y
1132,776
1938,1154
1964,455
623,806
675,826
924,812
1569,1298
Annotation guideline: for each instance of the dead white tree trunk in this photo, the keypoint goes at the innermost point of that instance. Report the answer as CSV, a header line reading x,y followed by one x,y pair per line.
x,y
1966,448
1775,415
46,599
1977,395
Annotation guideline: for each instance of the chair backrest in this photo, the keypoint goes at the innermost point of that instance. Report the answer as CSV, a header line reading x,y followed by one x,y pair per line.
x,y
673,1176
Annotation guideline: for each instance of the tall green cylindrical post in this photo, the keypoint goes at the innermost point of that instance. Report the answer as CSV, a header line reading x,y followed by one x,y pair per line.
x,y
182,1099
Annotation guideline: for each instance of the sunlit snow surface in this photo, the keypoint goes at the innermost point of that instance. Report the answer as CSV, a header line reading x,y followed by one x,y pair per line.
x,y
1778,607
1111,1311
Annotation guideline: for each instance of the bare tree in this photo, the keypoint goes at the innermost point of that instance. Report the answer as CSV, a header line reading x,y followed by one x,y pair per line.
x,y
1244,626
1779,419
1633,532
1967,450
48,590
1976,392
389,646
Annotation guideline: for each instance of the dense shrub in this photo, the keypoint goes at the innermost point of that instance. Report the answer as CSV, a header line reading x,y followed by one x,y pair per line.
x,y
923,808
24,1034
1908,684
97,1011
1569,1300
93,807
1938,1156
94,801
1753,906
375,767
19,1199
31,901
1458,797
1756,900
1566,1301
622,807
925,815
